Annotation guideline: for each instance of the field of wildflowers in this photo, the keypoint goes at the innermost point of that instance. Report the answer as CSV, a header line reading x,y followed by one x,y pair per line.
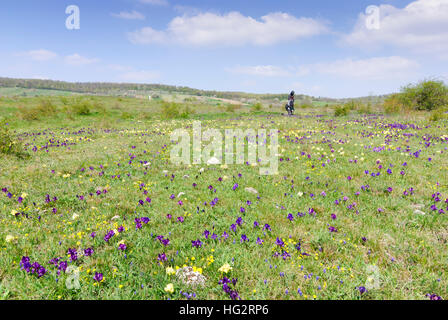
x,y
98,211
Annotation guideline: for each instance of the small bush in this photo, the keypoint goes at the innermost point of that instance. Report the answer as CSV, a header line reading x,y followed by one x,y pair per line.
x,y
146,115
82,108
186,113
9,145
64,100
364,108
257,107
439,114
231,108
350,106
394,104
28,114
45,108
341,111
170,110
126,115
100,108
426,95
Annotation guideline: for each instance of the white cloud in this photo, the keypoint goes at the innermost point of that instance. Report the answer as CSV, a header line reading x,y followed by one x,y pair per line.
x,y
422,26
232,29
78,60
365,69
133,15
304,88
155,2
39,77
139,76
118,67
188,10
39,55
263,71
373,68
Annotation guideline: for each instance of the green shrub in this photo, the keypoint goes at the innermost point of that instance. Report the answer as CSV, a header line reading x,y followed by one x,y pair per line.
x,y
257,107
394,104
186,113
341,111
350,106
364,108
230,108
28,114
126,115
9,145
439,114
170,110
82,108
146,115
99,108
46,108
426,95
64,100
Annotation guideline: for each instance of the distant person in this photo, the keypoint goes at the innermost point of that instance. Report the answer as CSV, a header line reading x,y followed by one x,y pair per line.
x,y
290,104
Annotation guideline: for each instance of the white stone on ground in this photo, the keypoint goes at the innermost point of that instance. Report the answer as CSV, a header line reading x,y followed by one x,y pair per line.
x,y
190,277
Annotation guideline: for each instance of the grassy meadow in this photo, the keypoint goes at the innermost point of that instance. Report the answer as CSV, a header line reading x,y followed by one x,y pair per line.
x,y
357,210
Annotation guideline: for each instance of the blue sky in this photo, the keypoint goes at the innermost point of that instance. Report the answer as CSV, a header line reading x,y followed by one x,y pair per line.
x,y
321,48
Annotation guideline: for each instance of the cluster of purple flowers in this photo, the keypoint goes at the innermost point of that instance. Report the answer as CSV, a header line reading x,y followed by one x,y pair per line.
x,y
109,235
187,295
139,221
206,233
196,243
88,252
410,191
162,257
73,254
48,199
361,289
98,277
433,296
226,282
32,268
163,241
58,263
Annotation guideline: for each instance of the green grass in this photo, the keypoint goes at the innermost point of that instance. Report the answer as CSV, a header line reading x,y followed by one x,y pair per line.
x,y
10,92
408,249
